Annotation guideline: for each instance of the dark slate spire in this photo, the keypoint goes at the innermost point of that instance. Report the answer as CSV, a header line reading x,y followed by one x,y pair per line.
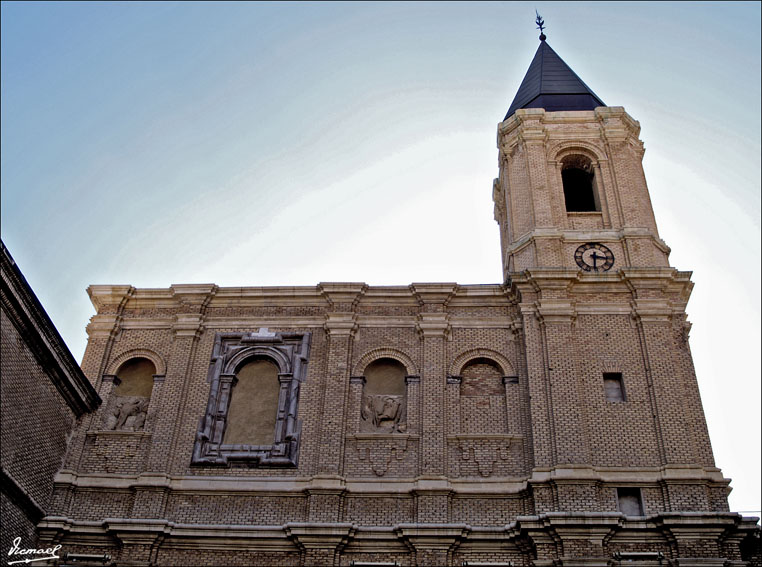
x,y
551,84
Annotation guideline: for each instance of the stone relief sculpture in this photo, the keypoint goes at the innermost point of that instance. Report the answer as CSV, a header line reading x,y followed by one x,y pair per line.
x,y
383,413
383,406
127,413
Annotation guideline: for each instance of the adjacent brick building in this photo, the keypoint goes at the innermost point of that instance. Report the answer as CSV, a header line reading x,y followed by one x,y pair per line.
x,y
43,395
552,419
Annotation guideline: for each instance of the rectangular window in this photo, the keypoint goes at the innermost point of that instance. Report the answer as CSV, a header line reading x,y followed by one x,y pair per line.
x,y
613,387
629,501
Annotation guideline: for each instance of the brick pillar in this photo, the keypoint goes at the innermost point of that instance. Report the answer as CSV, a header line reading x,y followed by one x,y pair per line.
x,y
568,407
665,377
452,427
540,408
187,328
434,329
102,331
340,326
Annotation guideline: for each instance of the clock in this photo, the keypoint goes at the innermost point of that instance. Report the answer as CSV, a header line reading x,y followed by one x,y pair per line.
x,y
594,257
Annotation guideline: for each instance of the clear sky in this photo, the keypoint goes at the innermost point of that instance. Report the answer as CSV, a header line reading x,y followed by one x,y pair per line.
x,y
288,144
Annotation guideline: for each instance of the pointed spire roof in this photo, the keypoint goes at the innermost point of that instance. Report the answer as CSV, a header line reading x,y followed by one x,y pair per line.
x,y
551,84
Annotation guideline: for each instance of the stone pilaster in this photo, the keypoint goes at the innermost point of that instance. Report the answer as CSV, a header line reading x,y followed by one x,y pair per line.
x,y
340,327
187,329
434,328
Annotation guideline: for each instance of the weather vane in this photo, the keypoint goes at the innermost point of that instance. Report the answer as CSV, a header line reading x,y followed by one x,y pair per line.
x,y
540,25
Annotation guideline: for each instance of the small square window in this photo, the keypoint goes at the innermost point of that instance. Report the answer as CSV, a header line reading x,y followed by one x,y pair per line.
x,y
629,501
613,387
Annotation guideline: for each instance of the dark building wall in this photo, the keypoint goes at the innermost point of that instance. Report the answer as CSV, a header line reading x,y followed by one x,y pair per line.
x,y
42,393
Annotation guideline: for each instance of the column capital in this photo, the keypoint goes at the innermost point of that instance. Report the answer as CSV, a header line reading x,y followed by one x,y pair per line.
x,y
433,325
341,324
188,325
342,296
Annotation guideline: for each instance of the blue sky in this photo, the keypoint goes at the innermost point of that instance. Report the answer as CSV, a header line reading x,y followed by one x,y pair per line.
x,y
151,144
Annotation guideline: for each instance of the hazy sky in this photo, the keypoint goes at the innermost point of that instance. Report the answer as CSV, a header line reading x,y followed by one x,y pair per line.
x,y
288,144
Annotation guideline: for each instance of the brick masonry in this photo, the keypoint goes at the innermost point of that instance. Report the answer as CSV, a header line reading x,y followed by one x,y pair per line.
x,y
508,449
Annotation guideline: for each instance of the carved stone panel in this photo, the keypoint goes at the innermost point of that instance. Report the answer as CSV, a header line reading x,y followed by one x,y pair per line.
x,y
383,413
126,413
486,455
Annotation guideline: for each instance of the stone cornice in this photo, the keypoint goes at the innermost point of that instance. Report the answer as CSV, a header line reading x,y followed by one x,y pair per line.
x,y
226,485
434,293
586,235
208,297
342,296
432,325
109,296
340,324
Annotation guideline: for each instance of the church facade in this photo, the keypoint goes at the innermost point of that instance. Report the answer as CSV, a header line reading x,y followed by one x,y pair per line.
x,y
552,419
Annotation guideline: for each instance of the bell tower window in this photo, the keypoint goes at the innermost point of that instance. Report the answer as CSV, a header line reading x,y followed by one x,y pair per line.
x,y
578,181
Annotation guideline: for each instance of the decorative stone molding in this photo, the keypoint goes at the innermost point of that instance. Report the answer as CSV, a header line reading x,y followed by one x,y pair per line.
x,y
109,298
188,325
561,149
379,449
290,353
434,325
342,296
117,361
384,352
341,324
484,449
104,327
193,297
460,361
438,294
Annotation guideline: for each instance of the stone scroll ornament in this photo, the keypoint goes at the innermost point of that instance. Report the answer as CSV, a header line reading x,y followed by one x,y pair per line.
x,y
127,414
383,413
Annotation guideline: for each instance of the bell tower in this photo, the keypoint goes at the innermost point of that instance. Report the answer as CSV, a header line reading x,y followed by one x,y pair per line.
x,y
614,405
571,191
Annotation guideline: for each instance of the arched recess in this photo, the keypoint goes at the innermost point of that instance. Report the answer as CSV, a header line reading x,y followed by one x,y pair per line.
x,y
578,163
375,354
277,356
558,152
128,401
118,361
460,362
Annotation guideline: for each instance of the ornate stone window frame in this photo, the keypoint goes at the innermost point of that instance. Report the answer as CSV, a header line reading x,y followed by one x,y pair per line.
x,y
290,353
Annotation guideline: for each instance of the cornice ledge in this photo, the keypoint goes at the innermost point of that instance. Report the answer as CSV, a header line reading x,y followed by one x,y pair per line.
x,y
103,326
102,296
188,325
556,311
194,296
313,535
617,125
341,324
434,293
545,278
432,325
342,295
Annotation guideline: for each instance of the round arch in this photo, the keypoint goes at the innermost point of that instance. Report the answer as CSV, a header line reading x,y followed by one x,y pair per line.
x,y
280,360
118,361
377,353
460,362
558,152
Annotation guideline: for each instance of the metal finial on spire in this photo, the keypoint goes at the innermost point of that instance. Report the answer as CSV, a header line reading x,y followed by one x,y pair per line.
x,y
540,25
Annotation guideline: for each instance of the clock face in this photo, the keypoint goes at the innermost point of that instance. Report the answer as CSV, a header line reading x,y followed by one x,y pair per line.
x,y
594,257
